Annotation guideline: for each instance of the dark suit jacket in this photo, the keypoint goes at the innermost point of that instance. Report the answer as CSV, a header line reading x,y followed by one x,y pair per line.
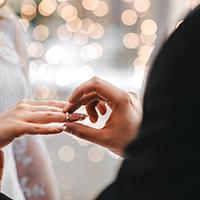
x,y
3,197
163,161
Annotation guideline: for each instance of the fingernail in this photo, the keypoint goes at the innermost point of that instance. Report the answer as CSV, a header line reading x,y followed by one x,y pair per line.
x,y
66,107
64,128
80,116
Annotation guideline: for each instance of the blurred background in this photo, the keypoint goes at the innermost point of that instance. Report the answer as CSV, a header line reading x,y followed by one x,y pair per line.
x,y
70,41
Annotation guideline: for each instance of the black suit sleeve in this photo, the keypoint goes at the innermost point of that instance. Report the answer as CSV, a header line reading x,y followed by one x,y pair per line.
x,y
3,197
164,161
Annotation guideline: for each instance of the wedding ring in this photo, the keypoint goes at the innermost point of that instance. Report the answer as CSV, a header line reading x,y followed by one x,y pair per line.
x,y
67,117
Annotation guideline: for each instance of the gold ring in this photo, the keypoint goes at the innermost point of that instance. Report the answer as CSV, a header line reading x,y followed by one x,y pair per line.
x,y
67,117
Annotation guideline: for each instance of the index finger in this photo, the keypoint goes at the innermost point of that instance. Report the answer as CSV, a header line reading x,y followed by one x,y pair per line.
x,y
52,103
103,89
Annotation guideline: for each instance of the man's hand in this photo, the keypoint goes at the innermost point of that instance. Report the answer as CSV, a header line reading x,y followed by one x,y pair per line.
x,y
123,123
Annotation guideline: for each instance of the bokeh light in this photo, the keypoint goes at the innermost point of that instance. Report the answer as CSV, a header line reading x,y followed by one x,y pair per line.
x,y
55,54
149,27
131,40
63,33
41,32
28,9
74,25
47,7
66,153
35,49
129,17
92,51
102,9
90,4
95,154
142,5
96,30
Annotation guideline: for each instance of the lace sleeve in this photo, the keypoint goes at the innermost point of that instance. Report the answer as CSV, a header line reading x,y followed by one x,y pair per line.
x,y
34,169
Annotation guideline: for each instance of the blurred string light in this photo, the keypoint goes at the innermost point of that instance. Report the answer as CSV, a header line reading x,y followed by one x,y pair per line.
x,y
96,154
142,41
41,32
28,9
55,54
47,7
81,31
102,9
142,5
66,153
74,29
90,4
2,2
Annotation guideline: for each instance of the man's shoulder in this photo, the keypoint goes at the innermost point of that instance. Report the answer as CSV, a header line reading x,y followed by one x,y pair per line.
x,y
194,16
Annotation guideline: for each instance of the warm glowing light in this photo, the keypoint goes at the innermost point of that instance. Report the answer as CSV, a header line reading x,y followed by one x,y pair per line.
x,y
149,27
146,50
131,40
128,1
2,2
140,63
66,154
28,9
90,4
96,30
95,154
102,9
80,39
129,17
148,39
69,13
142,5
63,77
55,55
86,26
74,25
47,7
41,92
41,32
63,33
35,49
91,52
85,73
62,1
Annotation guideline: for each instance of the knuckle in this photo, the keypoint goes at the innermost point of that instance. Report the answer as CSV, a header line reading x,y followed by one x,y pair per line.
x,y
37,129
95,80
125,97
21,105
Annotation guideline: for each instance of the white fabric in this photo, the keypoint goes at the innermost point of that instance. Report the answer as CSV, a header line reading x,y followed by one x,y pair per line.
x,y
12,89
10,183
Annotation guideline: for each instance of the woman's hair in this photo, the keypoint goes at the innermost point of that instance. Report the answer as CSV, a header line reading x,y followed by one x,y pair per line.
x,y
2,3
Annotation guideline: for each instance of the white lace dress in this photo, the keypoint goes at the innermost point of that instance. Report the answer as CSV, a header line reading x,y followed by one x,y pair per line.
x,y
16,182
12,89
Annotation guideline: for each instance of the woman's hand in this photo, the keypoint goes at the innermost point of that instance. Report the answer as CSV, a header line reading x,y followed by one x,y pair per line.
x,y
30,118
123,123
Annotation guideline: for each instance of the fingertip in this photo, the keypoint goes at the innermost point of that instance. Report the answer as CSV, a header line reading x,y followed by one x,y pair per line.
x,y
93,120
66,107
